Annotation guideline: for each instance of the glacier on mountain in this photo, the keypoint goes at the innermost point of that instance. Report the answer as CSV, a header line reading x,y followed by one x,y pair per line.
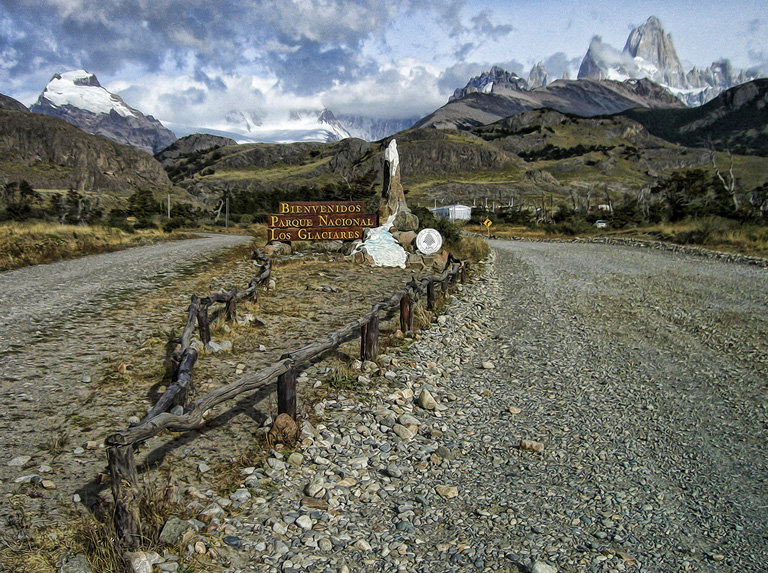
x,y
82,90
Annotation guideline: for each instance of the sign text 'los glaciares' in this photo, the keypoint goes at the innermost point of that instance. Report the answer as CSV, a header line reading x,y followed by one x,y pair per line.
x,y
320,221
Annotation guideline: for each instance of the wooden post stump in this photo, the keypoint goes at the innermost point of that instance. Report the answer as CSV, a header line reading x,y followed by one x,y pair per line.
x,y
369,339
202,323
286,393
430,295
406,313
125,491
232,305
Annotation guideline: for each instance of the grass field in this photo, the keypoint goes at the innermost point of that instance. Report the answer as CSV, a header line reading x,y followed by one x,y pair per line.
x,y
24,244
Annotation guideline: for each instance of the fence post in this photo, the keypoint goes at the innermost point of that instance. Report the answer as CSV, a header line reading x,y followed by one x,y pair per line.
x,y
406,313
430,295
125,491
232,305
202,322
286,393
369,339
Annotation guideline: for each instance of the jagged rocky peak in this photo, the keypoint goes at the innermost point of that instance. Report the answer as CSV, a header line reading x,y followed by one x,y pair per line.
x,y
497,80
653,45
538,76
650,53
78,98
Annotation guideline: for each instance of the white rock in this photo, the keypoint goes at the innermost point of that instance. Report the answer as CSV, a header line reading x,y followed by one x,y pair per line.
x,y
305,522
426,400
541,567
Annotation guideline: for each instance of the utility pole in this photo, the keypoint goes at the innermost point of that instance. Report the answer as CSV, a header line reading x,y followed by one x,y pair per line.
x,y
169,205
226,212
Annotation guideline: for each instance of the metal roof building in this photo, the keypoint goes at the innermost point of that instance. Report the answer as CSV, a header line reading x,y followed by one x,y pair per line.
x,y
453,212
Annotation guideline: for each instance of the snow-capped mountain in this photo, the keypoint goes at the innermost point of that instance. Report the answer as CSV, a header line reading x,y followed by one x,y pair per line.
x,y
77,97
650,53
252,127
497,80
372,129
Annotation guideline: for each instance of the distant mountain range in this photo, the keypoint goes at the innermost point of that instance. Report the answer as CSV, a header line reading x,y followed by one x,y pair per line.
x,y
647,73
482,102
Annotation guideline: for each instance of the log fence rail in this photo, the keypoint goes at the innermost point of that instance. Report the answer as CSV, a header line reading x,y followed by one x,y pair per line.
x,y
121,444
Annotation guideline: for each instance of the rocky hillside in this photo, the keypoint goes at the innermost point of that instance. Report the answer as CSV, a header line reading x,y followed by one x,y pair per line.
x,y
191,144
736,121
514,159
50,153
77,97
11,104
582,97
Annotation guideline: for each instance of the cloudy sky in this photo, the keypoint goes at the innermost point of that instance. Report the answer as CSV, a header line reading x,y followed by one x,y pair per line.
x,y
192,61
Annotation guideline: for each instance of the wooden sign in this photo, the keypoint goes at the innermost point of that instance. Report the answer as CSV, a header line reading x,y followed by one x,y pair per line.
x,y
317,221
320,221
321,208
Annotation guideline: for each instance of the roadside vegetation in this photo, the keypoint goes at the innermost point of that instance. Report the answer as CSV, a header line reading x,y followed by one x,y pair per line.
x,y
694,207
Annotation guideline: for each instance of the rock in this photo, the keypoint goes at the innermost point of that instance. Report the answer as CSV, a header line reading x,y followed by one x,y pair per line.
x,y
174,530
409,420
394,471
74,564
295,459
202,467
19,461
277,249
315,488
305,522
541,567
240,496
405,238
48,484
210,512
403,432
142,561
488,365
284,430
426,400
514,410
447,491
405,220
531,446
362,545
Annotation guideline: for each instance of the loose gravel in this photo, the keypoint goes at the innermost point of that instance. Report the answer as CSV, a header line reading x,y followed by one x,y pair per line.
x,y
578,408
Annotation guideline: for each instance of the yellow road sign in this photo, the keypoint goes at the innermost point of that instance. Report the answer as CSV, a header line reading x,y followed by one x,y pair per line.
x,y
487,222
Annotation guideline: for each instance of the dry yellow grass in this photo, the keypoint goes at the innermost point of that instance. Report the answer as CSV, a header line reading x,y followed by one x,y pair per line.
x,y
24,244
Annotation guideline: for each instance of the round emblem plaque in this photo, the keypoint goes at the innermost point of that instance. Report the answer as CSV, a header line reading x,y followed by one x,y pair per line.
x,y
429,241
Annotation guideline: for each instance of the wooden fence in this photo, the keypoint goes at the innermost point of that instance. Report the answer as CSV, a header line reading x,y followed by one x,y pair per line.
x,y
120,445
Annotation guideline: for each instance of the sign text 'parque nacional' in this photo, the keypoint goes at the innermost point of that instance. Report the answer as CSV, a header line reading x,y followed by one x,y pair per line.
x,y
320,221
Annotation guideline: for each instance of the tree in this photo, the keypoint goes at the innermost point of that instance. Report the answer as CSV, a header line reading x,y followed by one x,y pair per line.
x,y
728,182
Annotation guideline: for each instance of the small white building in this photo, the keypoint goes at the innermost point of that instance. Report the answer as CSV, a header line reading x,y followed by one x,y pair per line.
x,y
453,212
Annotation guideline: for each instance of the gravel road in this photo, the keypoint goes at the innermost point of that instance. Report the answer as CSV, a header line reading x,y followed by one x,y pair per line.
x,y
53,331
642,374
